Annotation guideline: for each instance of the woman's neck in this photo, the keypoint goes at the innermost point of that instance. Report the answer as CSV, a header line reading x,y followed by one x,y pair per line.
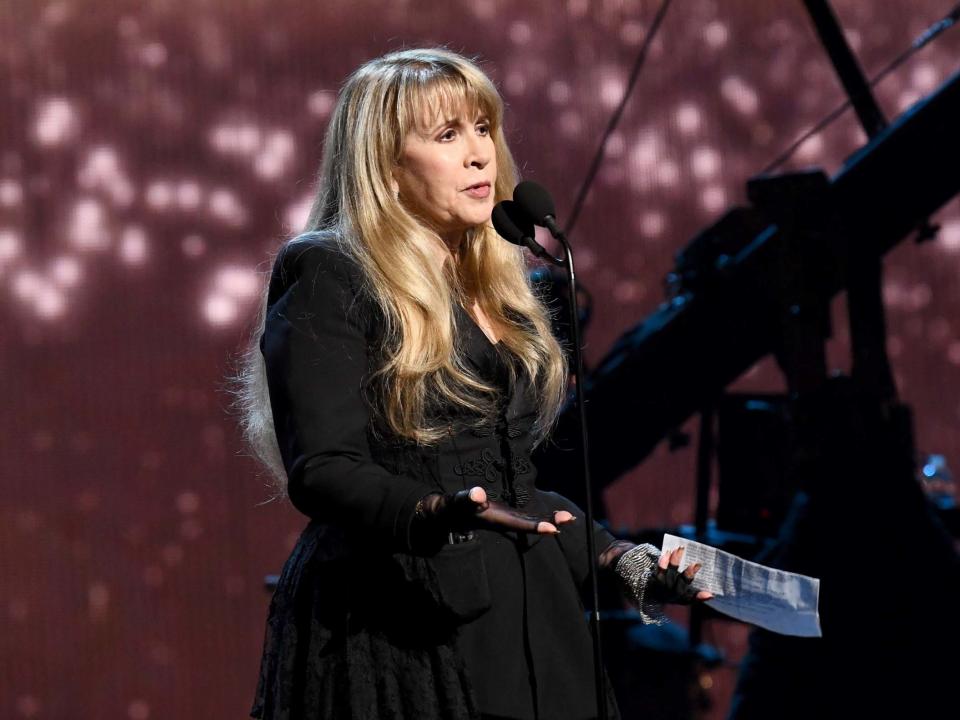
x,y
447,250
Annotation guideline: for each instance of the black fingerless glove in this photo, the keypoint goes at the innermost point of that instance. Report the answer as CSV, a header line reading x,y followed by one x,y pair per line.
x,y
671,586
446,516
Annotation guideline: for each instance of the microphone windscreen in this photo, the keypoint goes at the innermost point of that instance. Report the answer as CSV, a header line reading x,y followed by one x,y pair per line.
x,y
534,201
510,223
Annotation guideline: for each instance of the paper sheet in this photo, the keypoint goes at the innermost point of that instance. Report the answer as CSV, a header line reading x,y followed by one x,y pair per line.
x,y
779,601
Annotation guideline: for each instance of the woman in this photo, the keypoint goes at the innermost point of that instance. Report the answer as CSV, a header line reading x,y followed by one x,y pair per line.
x,y
410,371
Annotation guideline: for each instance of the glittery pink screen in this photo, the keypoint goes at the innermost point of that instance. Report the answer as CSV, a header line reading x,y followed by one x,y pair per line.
x,y
152,154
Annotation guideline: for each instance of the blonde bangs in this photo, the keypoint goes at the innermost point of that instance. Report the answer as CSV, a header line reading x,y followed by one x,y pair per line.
x,y
429,92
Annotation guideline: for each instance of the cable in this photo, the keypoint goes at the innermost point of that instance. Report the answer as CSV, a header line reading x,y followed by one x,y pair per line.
x,y
615,118
924,39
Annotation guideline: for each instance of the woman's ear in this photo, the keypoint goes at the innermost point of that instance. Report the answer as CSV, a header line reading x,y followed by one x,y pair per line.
x,y
394,185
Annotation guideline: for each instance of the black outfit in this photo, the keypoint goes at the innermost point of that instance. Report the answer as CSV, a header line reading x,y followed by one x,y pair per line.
x,y
364,623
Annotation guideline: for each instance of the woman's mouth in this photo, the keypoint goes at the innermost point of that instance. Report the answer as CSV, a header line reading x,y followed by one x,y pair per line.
x,y
480,190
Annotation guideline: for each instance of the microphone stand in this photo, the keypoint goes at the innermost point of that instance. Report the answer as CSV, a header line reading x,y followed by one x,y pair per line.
x,y
592,565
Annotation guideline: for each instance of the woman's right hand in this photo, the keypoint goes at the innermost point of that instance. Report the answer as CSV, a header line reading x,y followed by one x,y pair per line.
x,y
471,509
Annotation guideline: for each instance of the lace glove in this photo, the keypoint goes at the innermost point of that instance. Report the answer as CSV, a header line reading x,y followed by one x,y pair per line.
x,y
650,586
459,513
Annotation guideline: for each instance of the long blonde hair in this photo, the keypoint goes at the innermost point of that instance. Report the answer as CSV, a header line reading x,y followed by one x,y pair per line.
x,y
422,367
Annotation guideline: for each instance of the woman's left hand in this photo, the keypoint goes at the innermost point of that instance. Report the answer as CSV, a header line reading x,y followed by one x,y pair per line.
x,y
676,585
470,509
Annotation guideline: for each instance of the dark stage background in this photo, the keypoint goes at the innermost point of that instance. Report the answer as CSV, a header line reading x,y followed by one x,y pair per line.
x,y
152,155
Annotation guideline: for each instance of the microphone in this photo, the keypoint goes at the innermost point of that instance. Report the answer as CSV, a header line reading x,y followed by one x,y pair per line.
x,y
515,227
536,203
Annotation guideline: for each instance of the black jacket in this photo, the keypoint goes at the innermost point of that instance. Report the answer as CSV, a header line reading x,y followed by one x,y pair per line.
x,y
363,624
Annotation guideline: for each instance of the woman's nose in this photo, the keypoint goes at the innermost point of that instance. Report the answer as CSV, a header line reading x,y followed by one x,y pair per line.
x,y
478,153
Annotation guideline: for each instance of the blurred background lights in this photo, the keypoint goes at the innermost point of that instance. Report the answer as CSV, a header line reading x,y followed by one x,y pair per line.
x,y
515,83
908,98
66,271
193,245
56,122
237,282
741,96
559,92
49,302
925,77
11,246
628,291
716,34
230,294
27,284
570,124
811,149
632,32
220,310
668,173
520,32
98,599
188,501
652,223
99,165
224,205
153,54
645,153
577,8
189,194
484,9
295,215
704,162
949,238
855,38
611,88
713,198
939,329
11,193
28,706
101,170
275,156
133,245
245,138
86,225
320,103
138,710
953,353
615,145
159,194
688,118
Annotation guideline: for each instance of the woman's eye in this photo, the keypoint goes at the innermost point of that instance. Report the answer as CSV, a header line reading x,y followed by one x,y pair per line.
x,y
448,134
483,129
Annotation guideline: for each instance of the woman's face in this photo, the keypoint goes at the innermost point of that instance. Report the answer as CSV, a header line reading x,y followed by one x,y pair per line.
x,y
447,173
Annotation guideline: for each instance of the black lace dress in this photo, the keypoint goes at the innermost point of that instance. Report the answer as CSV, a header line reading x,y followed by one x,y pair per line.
x,y
363,624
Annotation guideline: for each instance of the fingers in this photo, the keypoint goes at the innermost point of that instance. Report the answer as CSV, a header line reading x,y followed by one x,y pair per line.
x,y
473,507
672,558
678,584
478,495
691,571
501,516
676,556
673,561
461,509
